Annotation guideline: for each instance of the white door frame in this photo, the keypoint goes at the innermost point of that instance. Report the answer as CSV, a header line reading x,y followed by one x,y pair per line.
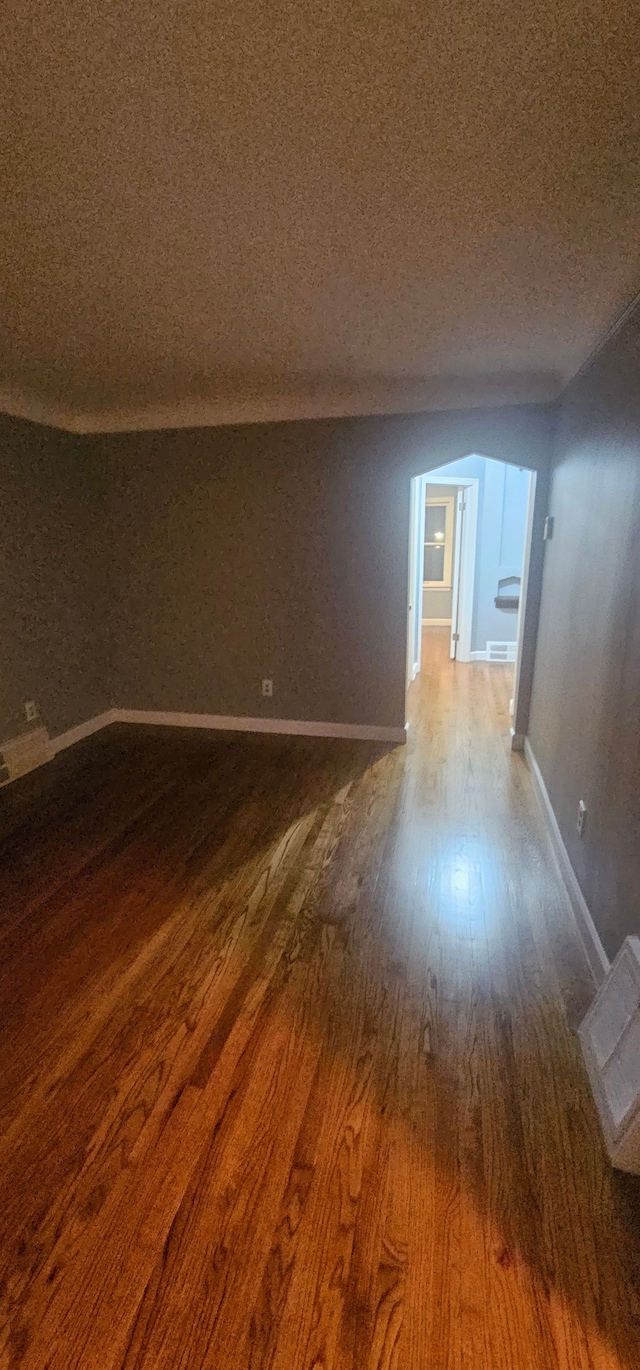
x,y
464,574
524,586
411,585
464,569
414,598
462,497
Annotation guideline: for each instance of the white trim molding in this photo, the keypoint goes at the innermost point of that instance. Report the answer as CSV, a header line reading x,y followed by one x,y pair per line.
x,y
595,953
92,725
295,727
436,622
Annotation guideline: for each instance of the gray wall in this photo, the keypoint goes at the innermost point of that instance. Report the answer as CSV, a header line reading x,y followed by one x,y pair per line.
x,y
252,552
173,570
52,622
278,550
585,714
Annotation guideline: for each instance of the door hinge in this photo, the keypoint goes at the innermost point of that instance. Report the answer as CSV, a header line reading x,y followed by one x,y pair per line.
x,y
455,637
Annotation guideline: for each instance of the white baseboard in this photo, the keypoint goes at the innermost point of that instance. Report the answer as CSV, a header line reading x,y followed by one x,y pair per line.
x,y
363,732
477,656
436,622
596,955
92,725
242,724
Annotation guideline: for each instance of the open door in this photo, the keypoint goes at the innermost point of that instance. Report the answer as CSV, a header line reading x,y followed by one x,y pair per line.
x,y
461,505
416,553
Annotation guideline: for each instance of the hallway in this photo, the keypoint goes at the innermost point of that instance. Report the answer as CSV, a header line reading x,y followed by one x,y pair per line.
x,y
288,1078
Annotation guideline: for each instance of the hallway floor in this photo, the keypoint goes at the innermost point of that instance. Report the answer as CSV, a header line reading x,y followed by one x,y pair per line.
x,y
288,1075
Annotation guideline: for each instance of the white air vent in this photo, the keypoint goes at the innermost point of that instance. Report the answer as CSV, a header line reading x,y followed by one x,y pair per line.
x,y
501,651
610,1038
23,754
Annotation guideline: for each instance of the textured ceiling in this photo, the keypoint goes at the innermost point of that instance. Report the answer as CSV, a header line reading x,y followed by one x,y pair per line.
x,y
215,210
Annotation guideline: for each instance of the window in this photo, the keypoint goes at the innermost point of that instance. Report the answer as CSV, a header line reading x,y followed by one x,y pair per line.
x,y
438,542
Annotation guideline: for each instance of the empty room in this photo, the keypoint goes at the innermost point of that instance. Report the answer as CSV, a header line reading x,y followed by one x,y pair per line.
x,y
320,686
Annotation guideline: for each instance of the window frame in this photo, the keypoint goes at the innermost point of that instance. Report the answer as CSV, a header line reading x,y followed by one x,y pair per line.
x,y
449,523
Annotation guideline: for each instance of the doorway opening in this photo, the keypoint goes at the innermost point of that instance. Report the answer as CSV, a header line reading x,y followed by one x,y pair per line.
x,y
470,534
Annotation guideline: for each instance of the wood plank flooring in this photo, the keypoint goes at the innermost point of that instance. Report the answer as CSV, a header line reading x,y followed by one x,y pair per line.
x,y
288,1074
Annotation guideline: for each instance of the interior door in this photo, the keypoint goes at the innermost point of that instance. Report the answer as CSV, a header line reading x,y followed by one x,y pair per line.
x,y
411,587
461,507
421,490
416,558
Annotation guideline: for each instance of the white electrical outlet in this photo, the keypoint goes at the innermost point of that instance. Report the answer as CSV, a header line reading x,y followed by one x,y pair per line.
x,y
267,689
30,710
582,815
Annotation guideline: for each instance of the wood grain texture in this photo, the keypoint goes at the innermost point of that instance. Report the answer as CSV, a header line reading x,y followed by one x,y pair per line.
x,y
289,1079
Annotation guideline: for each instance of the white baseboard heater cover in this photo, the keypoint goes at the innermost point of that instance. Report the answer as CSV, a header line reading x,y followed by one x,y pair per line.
x,y
501,651
610,1039
22,754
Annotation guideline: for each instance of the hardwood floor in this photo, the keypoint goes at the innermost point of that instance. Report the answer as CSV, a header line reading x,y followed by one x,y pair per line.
x,y
288,1075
